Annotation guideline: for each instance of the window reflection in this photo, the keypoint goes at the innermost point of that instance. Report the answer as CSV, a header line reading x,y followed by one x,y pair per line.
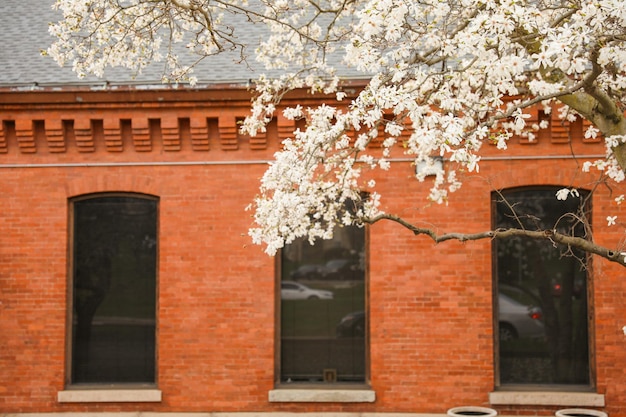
x,y
542,295
323,309
114,301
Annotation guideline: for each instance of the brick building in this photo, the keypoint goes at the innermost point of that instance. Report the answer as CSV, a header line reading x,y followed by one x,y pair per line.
x,y
128,283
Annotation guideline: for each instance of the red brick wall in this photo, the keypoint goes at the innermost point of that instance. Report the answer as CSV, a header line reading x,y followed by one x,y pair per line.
x,y
431,337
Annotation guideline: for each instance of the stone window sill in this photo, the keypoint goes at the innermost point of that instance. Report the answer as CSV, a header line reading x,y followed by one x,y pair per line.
x,y
322,395
557,398
96,395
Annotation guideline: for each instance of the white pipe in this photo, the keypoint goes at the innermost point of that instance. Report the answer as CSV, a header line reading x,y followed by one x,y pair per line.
x,y
133,164
265,162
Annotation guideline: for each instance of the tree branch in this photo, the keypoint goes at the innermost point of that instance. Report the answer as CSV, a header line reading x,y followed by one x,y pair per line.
x,y
550,235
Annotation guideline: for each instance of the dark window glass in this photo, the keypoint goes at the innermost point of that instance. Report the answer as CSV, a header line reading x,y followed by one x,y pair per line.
x,y
114,294
541,292
323,314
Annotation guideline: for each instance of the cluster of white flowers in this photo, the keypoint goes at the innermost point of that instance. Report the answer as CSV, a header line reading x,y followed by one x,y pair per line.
x,y
441,76
563,193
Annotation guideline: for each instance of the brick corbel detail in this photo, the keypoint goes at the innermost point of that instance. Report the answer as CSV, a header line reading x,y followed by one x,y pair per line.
x,y
228,133
141,134
3,139
199,132
84,135
560,128
54,135
112,135
285,128
25,136
170,132
257,142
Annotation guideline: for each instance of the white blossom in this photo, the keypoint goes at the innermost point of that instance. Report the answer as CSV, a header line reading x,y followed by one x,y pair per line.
x,y
445,77
562,194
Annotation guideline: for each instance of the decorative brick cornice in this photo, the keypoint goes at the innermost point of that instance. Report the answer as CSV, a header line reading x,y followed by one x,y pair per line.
x,y
113,135
199,132
142,134
142,140
258,142
83,134
25,135
560,130
170,133
3,139
228,133
285,127
55,135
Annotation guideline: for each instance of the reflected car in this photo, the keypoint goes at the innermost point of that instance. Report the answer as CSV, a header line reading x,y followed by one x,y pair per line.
x,y
352,325
290,290
518,321
309,272
342,269
335,269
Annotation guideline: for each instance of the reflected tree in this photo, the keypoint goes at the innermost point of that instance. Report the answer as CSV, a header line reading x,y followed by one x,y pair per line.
x,y
551,275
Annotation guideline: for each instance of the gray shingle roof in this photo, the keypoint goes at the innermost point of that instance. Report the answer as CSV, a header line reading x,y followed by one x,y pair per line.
x,y
24,33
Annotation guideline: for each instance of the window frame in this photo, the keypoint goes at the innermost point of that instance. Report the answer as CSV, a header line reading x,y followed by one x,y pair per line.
x,y
500,394
319,391
84,391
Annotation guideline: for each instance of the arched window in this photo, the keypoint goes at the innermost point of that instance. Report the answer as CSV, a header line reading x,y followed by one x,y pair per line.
x,y
114,267
540,290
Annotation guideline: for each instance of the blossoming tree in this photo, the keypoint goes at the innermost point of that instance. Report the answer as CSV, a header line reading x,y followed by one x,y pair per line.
x,y
447,75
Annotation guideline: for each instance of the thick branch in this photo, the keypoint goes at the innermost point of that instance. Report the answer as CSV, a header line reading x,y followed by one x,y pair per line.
x,y
549,235
601,109
586,97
